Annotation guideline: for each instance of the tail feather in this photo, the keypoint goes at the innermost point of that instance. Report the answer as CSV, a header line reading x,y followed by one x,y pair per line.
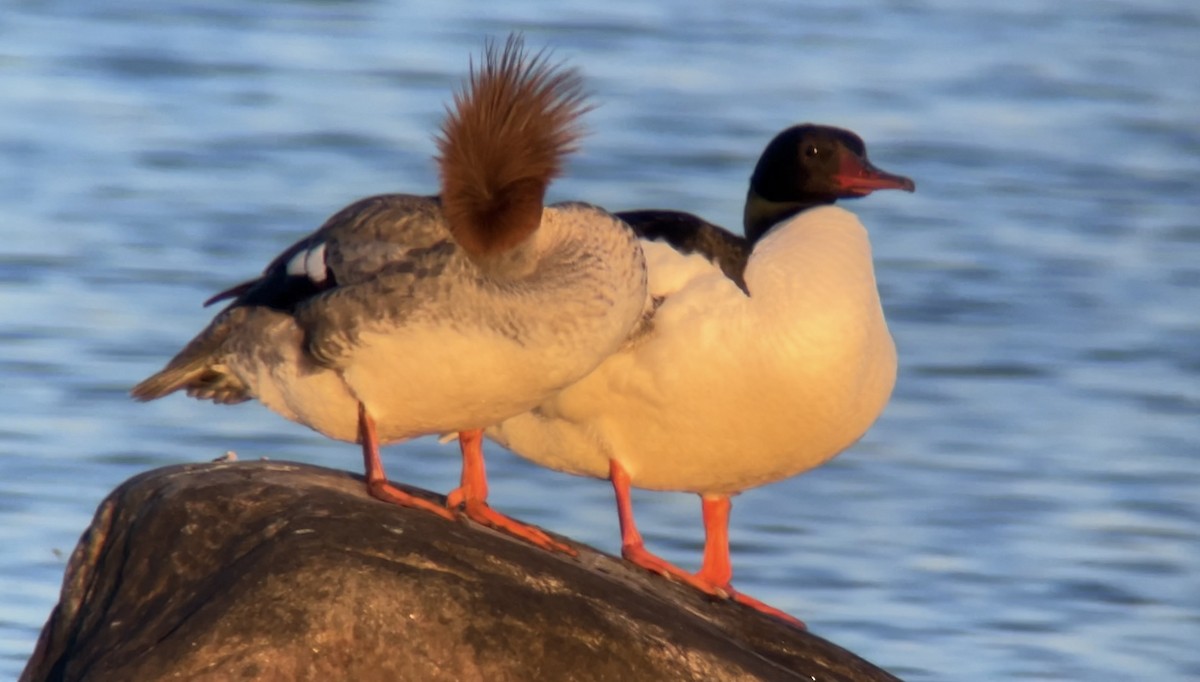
x,y
198,371
200,381
503,142
167,381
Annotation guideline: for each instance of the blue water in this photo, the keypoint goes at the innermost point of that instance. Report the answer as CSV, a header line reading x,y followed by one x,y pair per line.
x,y
1028,506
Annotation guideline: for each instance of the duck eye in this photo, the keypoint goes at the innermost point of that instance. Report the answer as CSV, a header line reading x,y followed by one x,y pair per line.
x,y
811,150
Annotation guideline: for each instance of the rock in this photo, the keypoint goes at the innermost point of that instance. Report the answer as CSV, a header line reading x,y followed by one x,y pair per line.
x,y
282,571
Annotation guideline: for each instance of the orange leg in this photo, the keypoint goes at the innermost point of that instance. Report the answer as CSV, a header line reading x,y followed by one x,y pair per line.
x,y
377,483
473,491
717,569
633,548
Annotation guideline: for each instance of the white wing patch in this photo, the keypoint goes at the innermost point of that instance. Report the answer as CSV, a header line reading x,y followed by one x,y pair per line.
x,y
309,263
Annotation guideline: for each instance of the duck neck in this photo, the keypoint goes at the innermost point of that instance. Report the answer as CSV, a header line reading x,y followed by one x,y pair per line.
x,y
762,214
513,264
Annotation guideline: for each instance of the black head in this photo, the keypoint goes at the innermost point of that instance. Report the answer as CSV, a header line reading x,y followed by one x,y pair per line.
x,y
811,165
817,164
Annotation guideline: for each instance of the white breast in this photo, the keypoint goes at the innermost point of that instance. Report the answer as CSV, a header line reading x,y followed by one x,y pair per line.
x,y
730,392
467,351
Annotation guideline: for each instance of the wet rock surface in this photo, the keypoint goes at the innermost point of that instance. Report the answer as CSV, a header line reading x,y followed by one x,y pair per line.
x,y
275,570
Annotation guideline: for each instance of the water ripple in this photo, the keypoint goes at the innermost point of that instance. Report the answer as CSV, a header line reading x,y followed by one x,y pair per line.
x,y
1028,505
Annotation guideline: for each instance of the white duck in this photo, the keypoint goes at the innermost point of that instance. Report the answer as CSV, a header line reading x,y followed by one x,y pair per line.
x,y
408,315
766,356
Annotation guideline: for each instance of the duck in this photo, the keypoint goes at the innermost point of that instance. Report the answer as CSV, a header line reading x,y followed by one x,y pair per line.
x,y
766,354
409,315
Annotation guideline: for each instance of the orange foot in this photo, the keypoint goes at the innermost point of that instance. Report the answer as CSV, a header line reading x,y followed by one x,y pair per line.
x,y
766,609
639,556
383,490
377,483
481,513
656,564
473,492
717,569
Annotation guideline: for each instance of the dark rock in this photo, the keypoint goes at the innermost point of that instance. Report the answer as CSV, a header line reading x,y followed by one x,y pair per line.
x,y
273,570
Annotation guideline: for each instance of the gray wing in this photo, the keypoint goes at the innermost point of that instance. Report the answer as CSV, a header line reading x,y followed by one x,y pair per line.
x,y
373,260
389,256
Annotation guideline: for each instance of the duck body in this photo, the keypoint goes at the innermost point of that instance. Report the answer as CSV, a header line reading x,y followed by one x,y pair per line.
x,y
393,314
765,355
411,315
727,390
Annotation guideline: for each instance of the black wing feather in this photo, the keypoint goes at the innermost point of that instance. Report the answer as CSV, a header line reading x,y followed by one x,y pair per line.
x,y
688,233
277,288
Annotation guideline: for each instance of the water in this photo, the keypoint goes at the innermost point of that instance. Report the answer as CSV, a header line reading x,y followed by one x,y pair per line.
x,y
1029,505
